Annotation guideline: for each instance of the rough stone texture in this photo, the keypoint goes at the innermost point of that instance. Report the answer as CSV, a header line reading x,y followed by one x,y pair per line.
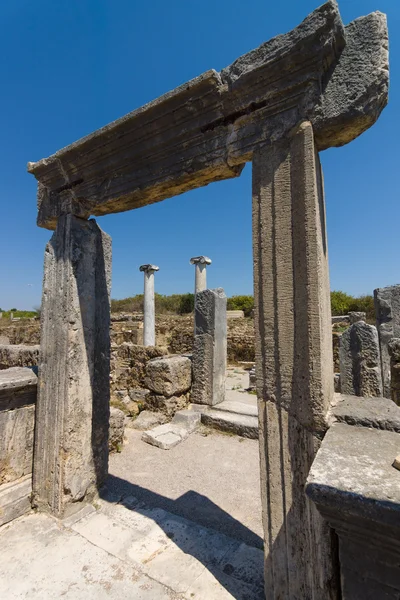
x,y
189,419
166,436
128,365
337,77
209,352
360,364
166,405
340,319
380,413
394,353
336,382
169,376
336,337
356,489
71,439
293,361
18,356
355,317
387,310
116,432
17,421
15,499
148,419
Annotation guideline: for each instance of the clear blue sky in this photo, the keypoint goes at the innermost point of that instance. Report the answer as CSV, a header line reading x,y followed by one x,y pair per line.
x,y
70,66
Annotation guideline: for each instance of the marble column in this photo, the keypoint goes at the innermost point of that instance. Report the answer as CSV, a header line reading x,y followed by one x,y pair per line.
x,y
149,317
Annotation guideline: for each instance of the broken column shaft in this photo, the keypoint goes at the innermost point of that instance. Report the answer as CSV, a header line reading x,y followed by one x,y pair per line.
x,y
149,313
200,262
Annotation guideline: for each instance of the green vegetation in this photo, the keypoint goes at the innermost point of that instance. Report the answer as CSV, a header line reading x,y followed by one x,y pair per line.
x,y
182,304
20,314
343,303
244,303
176,304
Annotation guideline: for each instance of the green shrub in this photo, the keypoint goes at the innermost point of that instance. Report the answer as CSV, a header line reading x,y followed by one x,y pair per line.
x,y
244,303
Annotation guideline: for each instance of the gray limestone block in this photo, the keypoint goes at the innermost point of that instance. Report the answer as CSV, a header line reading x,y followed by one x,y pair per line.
x,y
18,388
16,443
190,419
116,434
360,368
148,419
387,311
15,499
210,312
356,90
18,356
169,376
202,360
380,413
355,316
167,405
166,436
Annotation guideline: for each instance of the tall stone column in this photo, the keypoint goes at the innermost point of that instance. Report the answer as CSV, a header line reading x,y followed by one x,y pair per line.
x,y
200,281
72,415
294,365
149,313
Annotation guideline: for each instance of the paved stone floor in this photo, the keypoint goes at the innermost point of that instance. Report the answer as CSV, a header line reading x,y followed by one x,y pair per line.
x,y
182,524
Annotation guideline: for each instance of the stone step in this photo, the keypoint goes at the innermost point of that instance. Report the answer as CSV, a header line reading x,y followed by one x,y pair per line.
x,y
240,408
244,425
191,560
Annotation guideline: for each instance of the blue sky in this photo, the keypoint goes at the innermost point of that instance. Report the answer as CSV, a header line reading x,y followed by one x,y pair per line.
x,y
69,67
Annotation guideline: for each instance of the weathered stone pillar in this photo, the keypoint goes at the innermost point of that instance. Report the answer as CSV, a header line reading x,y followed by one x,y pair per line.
x,y
387,310
394,353
149,313
360,361
293,361
71,437
200,281
209,350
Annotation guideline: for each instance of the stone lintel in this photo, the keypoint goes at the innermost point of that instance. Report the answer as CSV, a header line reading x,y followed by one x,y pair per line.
x,y
335,77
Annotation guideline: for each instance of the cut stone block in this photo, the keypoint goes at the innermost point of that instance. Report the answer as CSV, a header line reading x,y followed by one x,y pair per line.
x,y
15,499
72,419
18,356
360,364
165,436
148,419
169,376
188,419
387,311
210,347
168,406
116,434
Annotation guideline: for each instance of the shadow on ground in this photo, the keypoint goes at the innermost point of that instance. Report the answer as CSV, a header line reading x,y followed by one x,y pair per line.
x,y
237,567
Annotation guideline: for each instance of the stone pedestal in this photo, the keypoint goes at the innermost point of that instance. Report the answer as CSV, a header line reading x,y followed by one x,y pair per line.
x,y
71,453
360,363
209,350
293,361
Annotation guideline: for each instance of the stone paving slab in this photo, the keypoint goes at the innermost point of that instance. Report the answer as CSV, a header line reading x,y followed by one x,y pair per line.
x,y
125,551
165,436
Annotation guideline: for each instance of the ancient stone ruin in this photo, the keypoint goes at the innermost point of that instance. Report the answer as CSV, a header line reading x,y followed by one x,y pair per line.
x,y
319,86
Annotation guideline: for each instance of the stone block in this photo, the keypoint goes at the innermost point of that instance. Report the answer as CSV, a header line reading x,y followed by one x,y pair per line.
x,y
355,317
166,436
169,376
189,419
17,422
148,419
357,491
167,405
71,455
117,426
15,499
210,347
387,311
394,353
360,365
19,355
